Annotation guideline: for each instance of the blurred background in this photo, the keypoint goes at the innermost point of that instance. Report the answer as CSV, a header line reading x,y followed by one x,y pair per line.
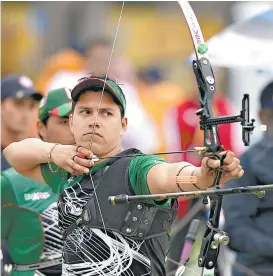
x,y
53,44
39,39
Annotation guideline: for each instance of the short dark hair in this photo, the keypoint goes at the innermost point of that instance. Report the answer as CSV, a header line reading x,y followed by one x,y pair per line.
x,y
96,89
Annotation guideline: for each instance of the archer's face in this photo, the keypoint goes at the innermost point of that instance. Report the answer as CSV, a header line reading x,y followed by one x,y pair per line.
x,y
103,128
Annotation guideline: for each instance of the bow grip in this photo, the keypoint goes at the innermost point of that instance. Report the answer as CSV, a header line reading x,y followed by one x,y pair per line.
x,y
217,156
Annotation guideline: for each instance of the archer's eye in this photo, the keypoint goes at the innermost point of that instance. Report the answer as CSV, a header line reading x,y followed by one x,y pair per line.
x,y
106,113
85,112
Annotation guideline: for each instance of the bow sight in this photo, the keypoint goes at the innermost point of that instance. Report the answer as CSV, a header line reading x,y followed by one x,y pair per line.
x,y
206,84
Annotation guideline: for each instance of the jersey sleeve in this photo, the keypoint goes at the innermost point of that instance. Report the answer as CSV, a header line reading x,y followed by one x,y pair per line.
x,y
9,208
138,171
54,179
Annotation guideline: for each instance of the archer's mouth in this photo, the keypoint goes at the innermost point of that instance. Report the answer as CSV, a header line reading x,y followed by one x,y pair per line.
x,y
93,134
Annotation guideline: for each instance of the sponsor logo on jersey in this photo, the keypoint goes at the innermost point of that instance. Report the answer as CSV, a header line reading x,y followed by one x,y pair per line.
x,y
36,196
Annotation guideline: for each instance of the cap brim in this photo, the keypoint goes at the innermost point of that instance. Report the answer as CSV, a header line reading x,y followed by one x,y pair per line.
x,y
37,96
29,93
62,110
89,83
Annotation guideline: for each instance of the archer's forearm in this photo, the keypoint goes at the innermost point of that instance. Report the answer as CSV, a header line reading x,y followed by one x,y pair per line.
x,y
27,154
177,177
184,176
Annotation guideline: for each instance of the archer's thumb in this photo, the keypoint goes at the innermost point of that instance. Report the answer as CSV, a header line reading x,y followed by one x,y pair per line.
x,y
209,163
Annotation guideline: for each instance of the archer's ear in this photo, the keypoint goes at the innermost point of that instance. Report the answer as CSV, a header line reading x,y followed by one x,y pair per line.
x,y
124,124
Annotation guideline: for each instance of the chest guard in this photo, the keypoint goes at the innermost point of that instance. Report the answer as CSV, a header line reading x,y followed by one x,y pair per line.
x,y
135,220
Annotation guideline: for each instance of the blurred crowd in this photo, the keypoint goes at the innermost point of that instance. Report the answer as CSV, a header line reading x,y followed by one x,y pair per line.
x,y
161,116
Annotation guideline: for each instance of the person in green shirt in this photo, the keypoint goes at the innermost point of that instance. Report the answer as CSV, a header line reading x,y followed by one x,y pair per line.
x,y
100,239
29,218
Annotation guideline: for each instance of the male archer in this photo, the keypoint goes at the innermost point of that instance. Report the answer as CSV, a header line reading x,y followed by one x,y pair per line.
x,y
100,239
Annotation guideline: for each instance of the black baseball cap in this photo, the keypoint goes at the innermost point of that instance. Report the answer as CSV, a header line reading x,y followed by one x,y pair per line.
x,y
266,99
100,83
18,87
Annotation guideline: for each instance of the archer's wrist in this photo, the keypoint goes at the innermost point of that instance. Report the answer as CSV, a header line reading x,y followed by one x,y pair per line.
x,y
46,152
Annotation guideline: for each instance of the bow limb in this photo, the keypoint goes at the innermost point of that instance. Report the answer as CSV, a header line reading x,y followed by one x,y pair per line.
x,y
97,112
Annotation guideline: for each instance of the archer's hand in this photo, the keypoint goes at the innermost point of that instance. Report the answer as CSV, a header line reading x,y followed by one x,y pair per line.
x,y
231,169
72,158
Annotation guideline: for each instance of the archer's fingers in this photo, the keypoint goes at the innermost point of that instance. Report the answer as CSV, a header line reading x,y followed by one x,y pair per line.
x,y
233,165
210,163
77,167
83,162
236,173
70,170
230,156
88,153
241,173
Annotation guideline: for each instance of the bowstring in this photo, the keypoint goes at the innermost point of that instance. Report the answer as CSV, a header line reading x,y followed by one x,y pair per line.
x,y
97,114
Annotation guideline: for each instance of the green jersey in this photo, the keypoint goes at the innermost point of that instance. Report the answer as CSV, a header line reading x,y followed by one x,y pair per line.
x,y
29,221
29,216
90,251
138,170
